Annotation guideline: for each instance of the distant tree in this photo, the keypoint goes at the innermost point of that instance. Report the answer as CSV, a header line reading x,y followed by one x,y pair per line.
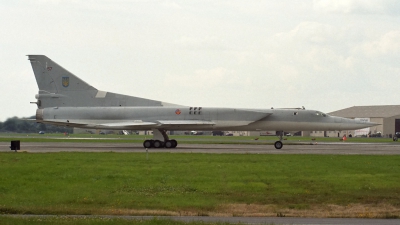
x,y
24,127
42,126
10,124
18,125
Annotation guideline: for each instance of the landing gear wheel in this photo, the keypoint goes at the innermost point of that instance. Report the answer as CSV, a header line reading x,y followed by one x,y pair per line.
x,y
169,144
278,144
160,140
148,143
158,144
174,143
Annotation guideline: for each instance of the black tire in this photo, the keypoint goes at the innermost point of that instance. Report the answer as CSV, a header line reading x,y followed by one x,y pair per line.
x,y
278,144
169,144
174,142
148,144
158,144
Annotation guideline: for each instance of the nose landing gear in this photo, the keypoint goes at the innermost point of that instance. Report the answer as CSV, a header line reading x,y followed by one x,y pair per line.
x,y
279,144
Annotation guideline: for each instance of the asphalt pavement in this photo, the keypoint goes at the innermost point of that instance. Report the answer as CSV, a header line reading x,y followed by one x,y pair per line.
x,y
297,148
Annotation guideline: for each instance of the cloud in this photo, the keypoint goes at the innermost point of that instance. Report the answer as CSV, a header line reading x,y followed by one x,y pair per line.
x,y
309,48
201,43
22,80
172,5
204,79
139,7
357,6
312,32
317,59
388,44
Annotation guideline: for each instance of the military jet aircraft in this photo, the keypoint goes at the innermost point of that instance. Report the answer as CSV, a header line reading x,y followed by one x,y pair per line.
x,y
66,100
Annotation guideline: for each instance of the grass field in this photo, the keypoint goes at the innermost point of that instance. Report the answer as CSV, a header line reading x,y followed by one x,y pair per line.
x,y
200,184
4,220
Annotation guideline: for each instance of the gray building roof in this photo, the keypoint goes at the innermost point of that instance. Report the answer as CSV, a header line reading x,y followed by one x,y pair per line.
x,y
376,111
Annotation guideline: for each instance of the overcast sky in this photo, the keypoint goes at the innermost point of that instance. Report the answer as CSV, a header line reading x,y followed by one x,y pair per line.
x,y
321,54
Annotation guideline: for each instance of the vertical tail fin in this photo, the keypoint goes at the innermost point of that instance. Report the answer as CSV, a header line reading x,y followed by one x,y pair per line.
x,y
53,78
60,88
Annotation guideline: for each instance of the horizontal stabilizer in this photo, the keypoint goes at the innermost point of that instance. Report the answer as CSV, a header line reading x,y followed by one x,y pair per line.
x,y
60,123
127,124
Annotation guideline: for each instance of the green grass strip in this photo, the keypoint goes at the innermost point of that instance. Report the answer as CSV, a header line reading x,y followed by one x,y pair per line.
x,y
103,183
4,220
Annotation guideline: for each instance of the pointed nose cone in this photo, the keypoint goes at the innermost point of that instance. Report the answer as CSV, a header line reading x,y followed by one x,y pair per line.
x,y
370,124
351,124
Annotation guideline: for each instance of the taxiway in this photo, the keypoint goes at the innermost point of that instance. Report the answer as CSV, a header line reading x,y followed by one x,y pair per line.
x,y
298,148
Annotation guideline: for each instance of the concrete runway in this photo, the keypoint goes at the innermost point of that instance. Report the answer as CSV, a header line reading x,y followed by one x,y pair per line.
x,y
298,148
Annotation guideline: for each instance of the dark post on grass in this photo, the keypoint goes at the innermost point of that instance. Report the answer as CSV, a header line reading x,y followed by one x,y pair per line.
x,y
15,145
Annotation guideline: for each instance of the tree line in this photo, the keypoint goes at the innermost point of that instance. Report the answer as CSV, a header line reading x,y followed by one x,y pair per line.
x,y
21,125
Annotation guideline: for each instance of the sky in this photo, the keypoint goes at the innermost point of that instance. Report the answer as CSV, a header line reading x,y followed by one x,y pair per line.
x,y
322,54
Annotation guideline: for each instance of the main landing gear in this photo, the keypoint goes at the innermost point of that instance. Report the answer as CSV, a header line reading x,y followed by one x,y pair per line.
x,y
160,140
279,144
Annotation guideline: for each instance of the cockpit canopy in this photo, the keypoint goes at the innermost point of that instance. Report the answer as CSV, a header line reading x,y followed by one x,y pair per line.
x,y
318,113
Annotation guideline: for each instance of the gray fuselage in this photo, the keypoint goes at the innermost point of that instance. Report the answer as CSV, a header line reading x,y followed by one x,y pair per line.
x,y
217,118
